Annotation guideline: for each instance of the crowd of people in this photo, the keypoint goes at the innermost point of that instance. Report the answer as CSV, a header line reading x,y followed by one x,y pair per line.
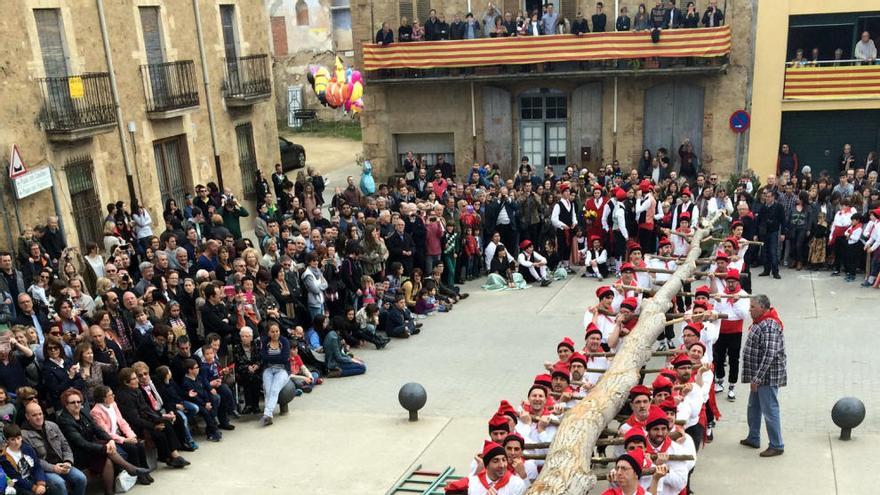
x,y
163,331
864,53
494,23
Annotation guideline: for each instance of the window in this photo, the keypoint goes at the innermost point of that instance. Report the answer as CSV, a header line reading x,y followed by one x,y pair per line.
x,y
340,11
556,144
543,127
150,25
51,42
247,157
171,157
230,39
556,107
302,13
532,108
279,35
84,202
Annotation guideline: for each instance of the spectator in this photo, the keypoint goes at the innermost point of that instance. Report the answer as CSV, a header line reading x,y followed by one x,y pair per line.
x,y
418,32
798,60
623,22
499,30
432,27
550,20
535,27
814,58
21,464
691,17
472,28
385,36
787,161
510,24
107,416
674,18
771,231
488,19
713,16
658,16
599,19
580,25
53,451
847,160
339,363
641,21
275,356
456,32
865,51
197,393
442,28
91,371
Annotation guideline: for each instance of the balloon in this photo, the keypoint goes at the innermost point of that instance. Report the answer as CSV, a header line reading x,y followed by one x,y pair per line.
x,y
347,105
357,106
348,72
322,77
356,77
311,79
357,91
346,91
340,70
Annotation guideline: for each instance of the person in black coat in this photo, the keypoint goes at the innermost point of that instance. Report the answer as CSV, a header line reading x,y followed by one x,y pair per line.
x,y
508,231
599,19
248,372
145,421
93,448
580,25
624,23
215,315
456,28
399,321
713,17
30,316
400,247
432,27
154,352
385,36
350,273
771,227
674,17
59,374
196,392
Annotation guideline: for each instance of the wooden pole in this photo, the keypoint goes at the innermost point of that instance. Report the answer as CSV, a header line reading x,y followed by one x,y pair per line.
x,y
670,272
567,470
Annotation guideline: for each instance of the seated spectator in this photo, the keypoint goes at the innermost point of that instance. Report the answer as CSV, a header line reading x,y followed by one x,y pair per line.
x,y
798,60
246,355
197,393
53,451
13,365
154,351
20,463
106,415
275,356
7,408
212,376
92,447
91,371
304,378
338,363
368,323
865,50
155,402
145,421
59,372
172,400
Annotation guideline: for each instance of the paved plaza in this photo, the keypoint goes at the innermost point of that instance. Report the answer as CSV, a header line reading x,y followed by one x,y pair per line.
x,y
351,436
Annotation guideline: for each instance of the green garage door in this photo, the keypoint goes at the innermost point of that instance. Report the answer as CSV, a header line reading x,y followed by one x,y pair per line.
x,y
818,137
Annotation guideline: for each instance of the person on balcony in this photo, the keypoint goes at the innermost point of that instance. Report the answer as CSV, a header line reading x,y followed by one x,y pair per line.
x,y
472,28
674,18
498,31
550,20
623,21
510,24
385,36
798,60
404,32
432,26
418,31
865,50
535,27
713,17
489,19
658,16
641,20
443,28
456,28
691,17
580,25
599,19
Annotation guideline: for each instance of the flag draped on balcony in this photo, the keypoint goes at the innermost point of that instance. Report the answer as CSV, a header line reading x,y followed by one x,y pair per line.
x,y
704,42
823,83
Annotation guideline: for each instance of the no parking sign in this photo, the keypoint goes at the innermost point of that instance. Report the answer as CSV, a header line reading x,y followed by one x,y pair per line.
x,y
740,121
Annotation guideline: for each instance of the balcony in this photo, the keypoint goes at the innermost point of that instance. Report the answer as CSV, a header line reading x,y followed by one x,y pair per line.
x,y
593,55
76,107
248,80
831,80
170,88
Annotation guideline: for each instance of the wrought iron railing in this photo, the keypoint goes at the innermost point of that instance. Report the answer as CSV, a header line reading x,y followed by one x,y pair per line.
x,y
76,102
170,86
248,77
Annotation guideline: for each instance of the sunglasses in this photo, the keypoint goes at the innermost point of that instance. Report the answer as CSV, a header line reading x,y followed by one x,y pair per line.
x,y
74,402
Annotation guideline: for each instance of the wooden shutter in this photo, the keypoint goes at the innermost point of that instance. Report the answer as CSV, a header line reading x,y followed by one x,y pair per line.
x,y
152,35
567,10
422,9
51,42
406,10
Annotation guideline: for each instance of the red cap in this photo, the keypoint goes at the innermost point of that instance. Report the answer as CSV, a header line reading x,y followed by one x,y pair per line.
x,y
876,212
561,369
634,434
686,191
721,256
627,267
592,328
639,390
656,416
543,380
664,241
490,451
507,410
645,185
577,356
661,384
694,326
563,186
633,246
619,194
525,244
732,240
603,290
597,187
733,273
499,422
637,459
669,373
685,215
630,303
594,238
681,360
703,290
566,342
668,405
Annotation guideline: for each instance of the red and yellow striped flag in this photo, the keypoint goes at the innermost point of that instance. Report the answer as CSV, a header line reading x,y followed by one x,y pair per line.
x,y
702,42
823,83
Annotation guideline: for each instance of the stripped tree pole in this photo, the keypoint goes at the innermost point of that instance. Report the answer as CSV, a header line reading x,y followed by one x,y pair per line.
x,y
567,470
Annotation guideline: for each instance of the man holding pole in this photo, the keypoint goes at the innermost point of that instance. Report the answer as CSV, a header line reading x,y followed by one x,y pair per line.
x,y
764,369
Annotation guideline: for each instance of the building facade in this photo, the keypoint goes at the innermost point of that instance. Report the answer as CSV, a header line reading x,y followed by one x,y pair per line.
x,y
303,33
58,108
566,113
814,108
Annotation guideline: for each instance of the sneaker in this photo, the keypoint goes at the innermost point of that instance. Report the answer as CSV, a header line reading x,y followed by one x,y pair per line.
x,y
835,273
866,284
719,386
662,346
584,275
710,435
265,421
600,278
216,437
227,427
731,395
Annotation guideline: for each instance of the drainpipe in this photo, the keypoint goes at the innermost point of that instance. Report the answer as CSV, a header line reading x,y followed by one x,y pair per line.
x,y
120,127
207,79
473,125
614,127
750,80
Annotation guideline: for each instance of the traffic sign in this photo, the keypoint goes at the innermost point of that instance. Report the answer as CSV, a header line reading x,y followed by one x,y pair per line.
x,y
740,121
33,182
17,168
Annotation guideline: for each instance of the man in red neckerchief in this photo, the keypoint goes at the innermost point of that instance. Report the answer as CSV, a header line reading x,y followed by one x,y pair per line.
x,y
660,443
495,478
625,322
626,475
736,307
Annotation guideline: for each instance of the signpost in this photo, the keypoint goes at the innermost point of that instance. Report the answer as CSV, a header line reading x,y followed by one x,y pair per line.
x,y
740,121
33,182
17,168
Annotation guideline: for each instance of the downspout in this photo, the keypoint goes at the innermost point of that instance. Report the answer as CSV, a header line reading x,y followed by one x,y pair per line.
x,y
218,170
126,159
750,81
614,125
473,125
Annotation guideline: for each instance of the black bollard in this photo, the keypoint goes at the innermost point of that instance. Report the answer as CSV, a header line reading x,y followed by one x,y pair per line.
x,y
412,397
848,413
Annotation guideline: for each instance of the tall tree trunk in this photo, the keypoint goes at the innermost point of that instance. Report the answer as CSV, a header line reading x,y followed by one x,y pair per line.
x,y
567,468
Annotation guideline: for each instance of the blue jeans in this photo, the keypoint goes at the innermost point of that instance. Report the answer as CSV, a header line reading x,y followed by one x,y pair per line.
x,y
56,484
274,379
190,409
315,311
765,403
351,369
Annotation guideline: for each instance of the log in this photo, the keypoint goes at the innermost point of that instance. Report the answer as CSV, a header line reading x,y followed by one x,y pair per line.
x,y
751,243
610,460
679,258
670,272
567,469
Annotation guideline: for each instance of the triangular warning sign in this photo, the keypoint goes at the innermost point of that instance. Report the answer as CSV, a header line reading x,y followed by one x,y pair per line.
x,y
17,168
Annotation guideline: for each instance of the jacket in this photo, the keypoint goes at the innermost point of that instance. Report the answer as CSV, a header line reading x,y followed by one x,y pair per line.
x,y
315,284
212,319
56,380
202,394
494,208
713,19
373,258
280,359
333,355
384,38
102,419
396,244
86,438
135,409
50,438
456,30
580,26
35,474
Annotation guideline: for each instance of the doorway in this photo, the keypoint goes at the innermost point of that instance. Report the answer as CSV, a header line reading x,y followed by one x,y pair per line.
x,y
172,168
544,128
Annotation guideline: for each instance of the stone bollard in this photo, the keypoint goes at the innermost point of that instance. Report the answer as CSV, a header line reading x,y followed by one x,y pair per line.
x,y
412,397
848,413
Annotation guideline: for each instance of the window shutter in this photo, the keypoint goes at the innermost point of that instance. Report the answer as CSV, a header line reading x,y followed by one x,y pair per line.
x,y
406,10
568,10
422,9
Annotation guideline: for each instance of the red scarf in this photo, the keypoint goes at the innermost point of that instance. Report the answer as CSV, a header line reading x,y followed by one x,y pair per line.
x,y
635,423
662,448
501,483
734,291
770,314
618,491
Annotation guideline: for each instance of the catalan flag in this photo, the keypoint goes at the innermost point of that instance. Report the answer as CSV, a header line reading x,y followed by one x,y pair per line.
x,y
701,42
823,83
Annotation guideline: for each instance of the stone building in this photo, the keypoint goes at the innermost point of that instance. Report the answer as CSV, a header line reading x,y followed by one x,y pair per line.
x,y
303,33
582,114
58,107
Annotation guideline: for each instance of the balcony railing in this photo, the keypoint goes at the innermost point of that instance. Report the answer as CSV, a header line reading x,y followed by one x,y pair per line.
x,y
75,107
170,86
248,79
831,80
626,51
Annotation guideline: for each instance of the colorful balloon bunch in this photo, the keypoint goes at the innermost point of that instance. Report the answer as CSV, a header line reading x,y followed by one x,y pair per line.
x,y
341,88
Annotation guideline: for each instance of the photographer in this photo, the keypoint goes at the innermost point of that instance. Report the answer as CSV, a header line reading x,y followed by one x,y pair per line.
x,y
503,216
233,210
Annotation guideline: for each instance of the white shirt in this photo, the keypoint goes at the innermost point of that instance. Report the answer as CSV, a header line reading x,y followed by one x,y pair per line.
x,y
554,217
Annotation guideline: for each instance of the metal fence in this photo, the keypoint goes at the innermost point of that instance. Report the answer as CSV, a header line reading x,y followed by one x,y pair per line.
x,y
247,77
170,85
76,102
